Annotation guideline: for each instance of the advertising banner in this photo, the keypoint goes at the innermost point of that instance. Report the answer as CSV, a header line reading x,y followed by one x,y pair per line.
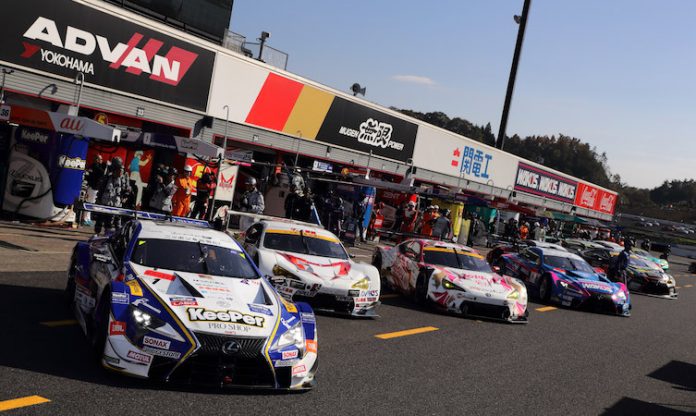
x,y
540,182
595,199
227,183
453,155
68,38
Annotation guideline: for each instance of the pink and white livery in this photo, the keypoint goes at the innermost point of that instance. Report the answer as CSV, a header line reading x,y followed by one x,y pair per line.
x,y
454,277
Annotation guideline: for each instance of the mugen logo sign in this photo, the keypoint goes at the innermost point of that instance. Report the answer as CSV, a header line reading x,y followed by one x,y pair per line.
x,y
539,182
361,128
68,38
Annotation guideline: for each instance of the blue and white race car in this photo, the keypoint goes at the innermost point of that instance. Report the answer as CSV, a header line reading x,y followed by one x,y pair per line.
x,y
178,301
566,278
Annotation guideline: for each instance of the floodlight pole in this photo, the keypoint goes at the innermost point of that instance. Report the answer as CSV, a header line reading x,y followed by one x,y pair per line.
x,y
513,73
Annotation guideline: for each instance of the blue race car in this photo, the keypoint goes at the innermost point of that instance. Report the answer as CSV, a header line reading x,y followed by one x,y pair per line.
x,y
174,300
566,278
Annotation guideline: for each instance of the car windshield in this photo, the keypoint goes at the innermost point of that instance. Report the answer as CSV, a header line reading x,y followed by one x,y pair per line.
x,y
192,257
568,263
305,244
450,257
641,252
642,263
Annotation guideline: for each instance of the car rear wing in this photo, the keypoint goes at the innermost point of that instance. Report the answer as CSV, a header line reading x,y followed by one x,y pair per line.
x,y
123,212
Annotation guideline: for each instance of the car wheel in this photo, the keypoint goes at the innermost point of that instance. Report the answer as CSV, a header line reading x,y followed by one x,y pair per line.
x,y
100,325
545,288
421,292
69,293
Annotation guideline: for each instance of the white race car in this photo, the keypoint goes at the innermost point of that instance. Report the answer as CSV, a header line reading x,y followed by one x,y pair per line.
x,y
310,264
453,277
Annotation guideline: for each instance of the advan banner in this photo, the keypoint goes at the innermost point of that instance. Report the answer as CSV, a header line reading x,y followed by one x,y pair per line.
x,y
67,38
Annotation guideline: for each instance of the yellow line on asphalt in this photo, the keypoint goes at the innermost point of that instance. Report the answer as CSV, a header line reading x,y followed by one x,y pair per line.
x,y
389,296
406,332
546,309
678,287
22,402
66,322
688,285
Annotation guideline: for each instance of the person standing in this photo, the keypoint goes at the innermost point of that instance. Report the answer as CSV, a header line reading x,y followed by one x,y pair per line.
x,y
426,224
524,231
165,188
181,203
137,162
622,261
252,201
112,191
204,188
442,226
359,210
95,174
539,232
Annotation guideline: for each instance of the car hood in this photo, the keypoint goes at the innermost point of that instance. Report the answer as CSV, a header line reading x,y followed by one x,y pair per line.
x,y
479,282
214,304
330,272
588,281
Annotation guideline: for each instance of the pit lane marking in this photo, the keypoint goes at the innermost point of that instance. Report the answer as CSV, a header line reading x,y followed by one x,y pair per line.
x,y
53,324
22,402
414,331
546,309
688,285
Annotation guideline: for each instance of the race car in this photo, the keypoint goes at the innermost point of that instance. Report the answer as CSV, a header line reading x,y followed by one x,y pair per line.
x,y
643,276
664,264
177,301
508,247
453,277
310,264
565,278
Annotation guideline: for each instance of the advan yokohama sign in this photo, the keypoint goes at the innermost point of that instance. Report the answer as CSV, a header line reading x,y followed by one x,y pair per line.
x,y
67,38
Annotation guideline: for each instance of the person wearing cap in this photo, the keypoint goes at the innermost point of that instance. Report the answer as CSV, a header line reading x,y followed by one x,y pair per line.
x,y
112,191
181,202
428,216
410,217
252,201
539,232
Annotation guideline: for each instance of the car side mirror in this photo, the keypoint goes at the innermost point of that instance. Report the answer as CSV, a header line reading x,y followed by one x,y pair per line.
x,y
496,269
351,255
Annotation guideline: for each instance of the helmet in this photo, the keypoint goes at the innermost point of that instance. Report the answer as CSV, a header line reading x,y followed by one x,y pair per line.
x,y
250,181
188,168
536,224
411,204
435,207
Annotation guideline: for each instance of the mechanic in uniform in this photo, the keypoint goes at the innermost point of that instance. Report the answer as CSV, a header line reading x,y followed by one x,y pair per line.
x,y
95,174
622,261
204,187
112,191
165,188
182,198
442,226
252,201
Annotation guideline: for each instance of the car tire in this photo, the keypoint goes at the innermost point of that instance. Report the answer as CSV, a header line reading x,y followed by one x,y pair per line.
x,y
545,288
100,325
421,293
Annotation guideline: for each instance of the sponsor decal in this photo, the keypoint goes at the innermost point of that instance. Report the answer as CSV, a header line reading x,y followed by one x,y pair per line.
x,y
597,286
205,315
285,363
308,317
374,133
289,306
289,354
117,328
5,111
159,275
110,51
260,309
537,181
111,360
35,136
156,342
183,301
135,288
299,370
71,162
139,357
119,297
372,293
228,328
472,161
311,345
162,353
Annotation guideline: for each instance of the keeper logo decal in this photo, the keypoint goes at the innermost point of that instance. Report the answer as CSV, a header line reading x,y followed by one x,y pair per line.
x,y
234,317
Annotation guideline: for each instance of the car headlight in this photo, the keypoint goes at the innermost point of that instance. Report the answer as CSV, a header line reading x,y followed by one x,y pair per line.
x,y
514,295
363,284
279,271
451,286
293,336
621,295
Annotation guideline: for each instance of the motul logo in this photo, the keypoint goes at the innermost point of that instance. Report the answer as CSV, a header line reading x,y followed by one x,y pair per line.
x,y
73,124
169,69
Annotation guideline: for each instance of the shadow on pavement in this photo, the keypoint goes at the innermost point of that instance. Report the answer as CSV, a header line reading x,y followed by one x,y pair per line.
x,y
679,373
628,406
63,351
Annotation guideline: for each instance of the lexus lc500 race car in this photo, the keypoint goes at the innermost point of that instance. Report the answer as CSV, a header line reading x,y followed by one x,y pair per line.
x,y
180,302
310,264
565,278
643,276
664,264
453,277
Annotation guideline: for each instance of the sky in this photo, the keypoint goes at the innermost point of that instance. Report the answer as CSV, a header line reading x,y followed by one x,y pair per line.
x,y
619,74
